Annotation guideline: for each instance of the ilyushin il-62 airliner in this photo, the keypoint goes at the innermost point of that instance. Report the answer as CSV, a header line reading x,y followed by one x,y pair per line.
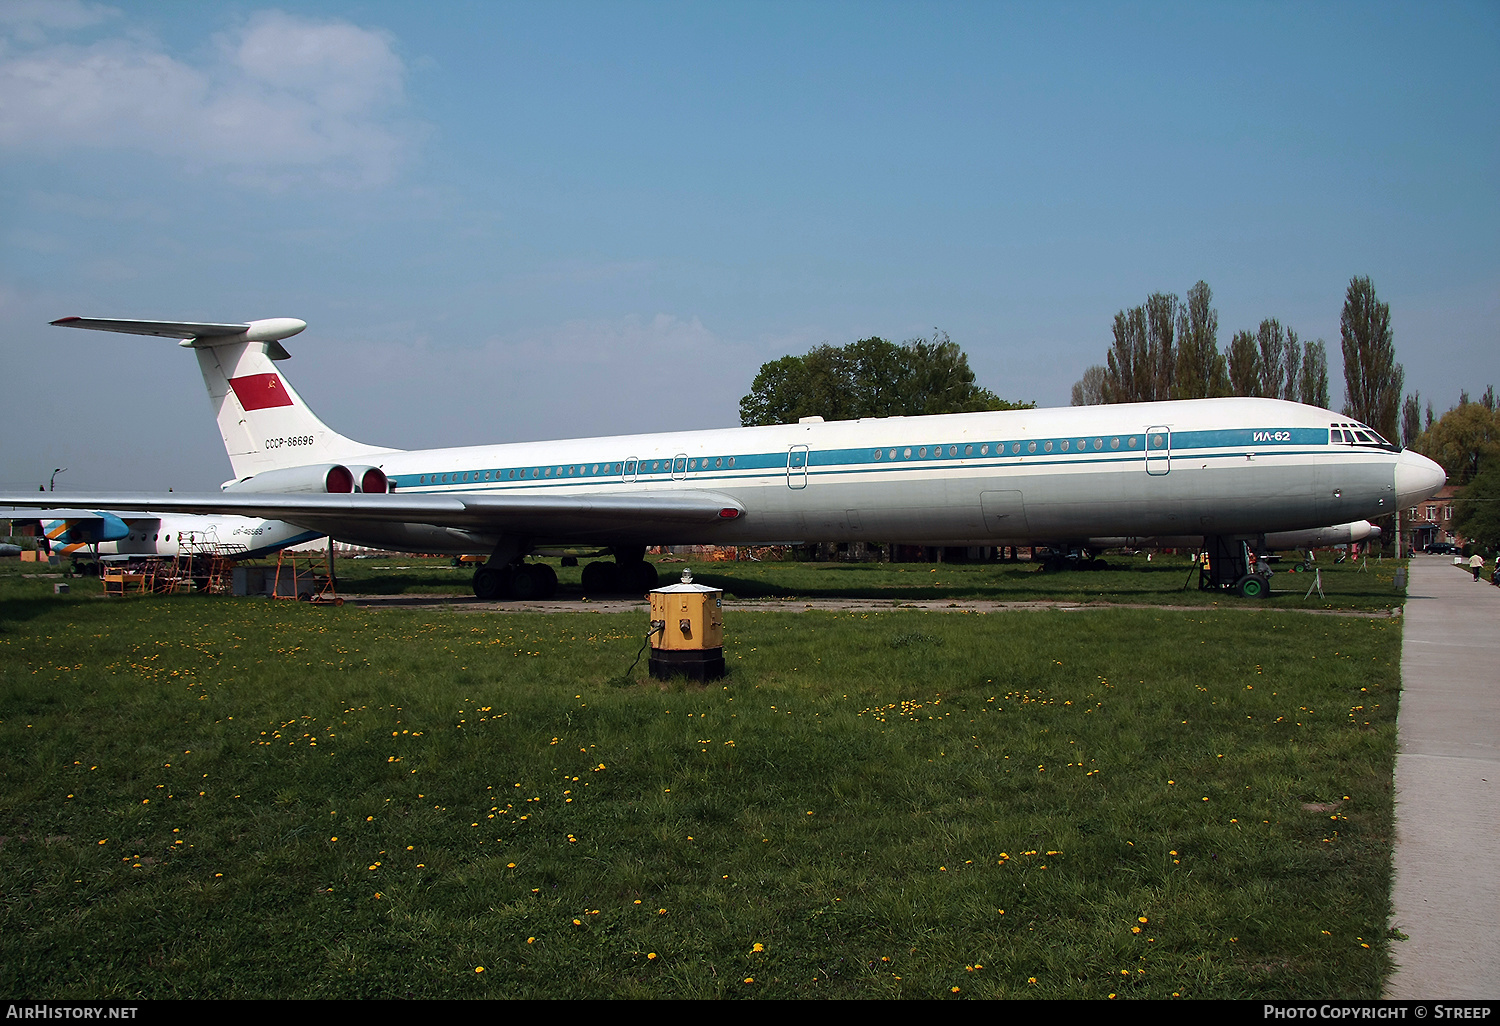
x,y
1224,469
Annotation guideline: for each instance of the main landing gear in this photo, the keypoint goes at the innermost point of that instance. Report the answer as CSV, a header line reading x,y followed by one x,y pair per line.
x,y
629,574
517,581
506,577
627,577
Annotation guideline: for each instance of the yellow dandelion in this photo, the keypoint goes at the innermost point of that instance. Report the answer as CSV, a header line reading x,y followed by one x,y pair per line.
x,y
479,968
757,948
651,957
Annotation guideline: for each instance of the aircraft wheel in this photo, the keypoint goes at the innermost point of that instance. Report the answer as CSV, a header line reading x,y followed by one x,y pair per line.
x,y
527,584
546,579
600,578
489,583
642,577
1251,586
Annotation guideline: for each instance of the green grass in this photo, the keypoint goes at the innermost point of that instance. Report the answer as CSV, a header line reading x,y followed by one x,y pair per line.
x,y
1165,580
862,796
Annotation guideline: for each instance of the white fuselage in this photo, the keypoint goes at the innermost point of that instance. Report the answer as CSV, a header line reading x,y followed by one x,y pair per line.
x,y
169,535
1225,466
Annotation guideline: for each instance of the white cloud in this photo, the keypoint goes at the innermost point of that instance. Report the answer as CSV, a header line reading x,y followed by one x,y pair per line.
x,y
286,99
30,20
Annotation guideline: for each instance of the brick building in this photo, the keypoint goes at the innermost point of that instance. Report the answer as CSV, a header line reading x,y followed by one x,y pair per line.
x,y
1431,521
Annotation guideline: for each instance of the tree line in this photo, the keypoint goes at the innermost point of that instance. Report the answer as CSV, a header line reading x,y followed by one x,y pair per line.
x,y
1466,442
1168,348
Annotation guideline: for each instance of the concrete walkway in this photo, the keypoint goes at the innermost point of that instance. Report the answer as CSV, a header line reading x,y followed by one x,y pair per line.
x,y
1447,888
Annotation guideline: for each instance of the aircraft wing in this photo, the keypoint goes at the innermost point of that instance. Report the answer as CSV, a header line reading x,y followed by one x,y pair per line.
x,y
545,515
18,512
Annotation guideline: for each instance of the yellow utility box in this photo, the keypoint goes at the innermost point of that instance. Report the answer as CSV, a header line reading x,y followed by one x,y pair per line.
x,y
687,631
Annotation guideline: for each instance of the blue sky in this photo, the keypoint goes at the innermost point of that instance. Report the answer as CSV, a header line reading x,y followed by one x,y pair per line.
x,y
507,222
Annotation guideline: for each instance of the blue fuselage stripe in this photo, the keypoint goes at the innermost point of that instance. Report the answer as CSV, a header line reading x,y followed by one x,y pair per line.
x,y
798,460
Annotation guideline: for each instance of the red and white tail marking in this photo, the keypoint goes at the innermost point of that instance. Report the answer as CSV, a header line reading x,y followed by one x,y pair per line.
x,y
260,391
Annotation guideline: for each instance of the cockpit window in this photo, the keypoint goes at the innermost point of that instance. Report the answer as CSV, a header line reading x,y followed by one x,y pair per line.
x,y
1357,434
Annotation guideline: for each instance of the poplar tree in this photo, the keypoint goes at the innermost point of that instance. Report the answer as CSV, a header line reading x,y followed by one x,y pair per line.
x,y
1201,371
1161,356
1270,339
1291,375
1089,390
1314,386
1411,419
1126,366
1244,364
1372,377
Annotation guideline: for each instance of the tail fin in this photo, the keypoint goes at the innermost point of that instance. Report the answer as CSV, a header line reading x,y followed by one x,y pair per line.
x,y
263,421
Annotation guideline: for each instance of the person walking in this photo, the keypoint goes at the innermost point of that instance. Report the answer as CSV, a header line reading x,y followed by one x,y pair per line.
x,y
1476,564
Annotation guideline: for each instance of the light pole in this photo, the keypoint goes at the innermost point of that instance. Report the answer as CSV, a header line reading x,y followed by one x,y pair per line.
x,y
52,485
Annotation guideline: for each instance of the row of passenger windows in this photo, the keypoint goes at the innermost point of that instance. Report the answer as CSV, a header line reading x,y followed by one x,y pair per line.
x,y
579,470
1158,441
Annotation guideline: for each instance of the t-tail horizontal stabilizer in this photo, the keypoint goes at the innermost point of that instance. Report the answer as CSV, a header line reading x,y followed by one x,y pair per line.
x,y
272,329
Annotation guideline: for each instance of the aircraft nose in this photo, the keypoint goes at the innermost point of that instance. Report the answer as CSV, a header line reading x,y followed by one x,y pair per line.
x,y
1417,477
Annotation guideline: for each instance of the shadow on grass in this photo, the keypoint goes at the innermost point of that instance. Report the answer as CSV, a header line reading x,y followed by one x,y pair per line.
x,y
998,583
14,611
424,581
